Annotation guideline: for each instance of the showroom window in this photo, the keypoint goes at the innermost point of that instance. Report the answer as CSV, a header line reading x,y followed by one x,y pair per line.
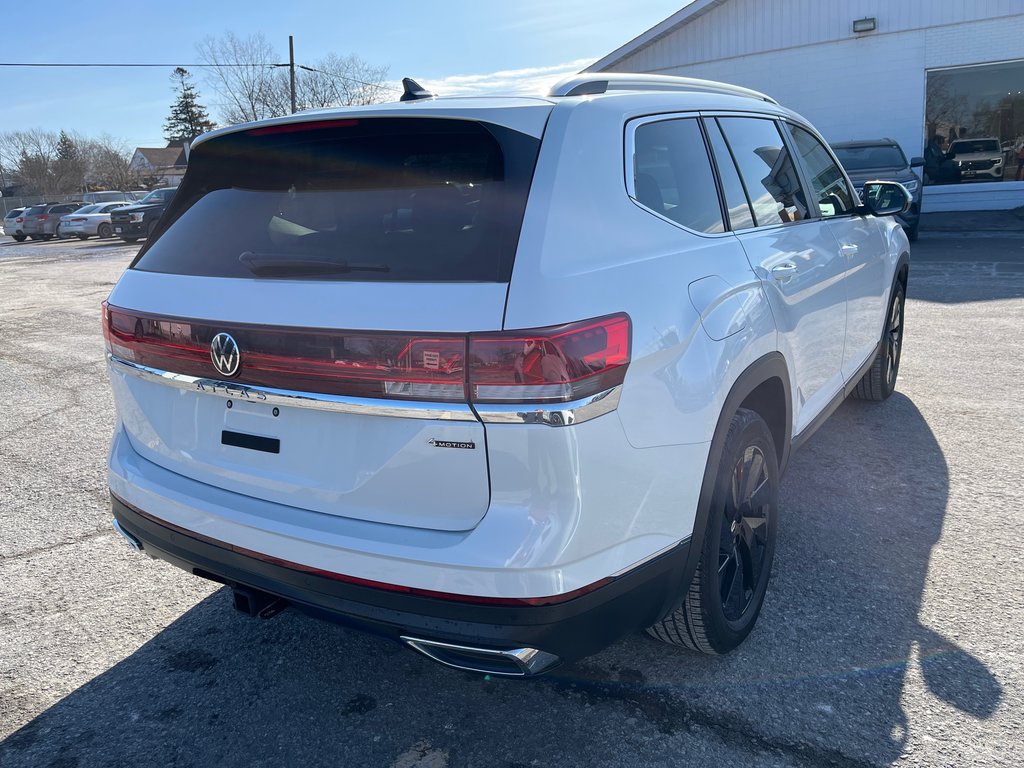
x,y
974,124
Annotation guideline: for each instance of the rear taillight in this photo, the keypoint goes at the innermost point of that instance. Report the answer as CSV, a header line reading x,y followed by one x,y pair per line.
x,y
19,219
549,365
546,365
42,217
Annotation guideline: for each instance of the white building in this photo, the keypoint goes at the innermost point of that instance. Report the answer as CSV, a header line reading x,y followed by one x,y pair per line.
x,y
864,69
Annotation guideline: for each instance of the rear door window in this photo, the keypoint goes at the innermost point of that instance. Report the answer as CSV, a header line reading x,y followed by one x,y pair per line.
x,y
672,174
383,199
767,170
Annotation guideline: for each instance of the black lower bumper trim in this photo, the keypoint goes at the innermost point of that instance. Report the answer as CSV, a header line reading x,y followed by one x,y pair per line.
x,y
570,630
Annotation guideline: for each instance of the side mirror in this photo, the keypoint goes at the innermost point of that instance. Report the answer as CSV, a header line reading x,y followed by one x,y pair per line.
x,y
885,198
916,162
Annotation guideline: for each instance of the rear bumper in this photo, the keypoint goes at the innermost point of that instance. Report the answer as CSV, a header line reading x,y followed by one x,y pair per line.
x,y
572,627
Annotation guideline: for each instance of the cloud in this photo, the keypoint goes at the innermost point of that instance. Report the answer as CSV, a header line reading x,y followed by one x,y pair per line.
x,y
531,81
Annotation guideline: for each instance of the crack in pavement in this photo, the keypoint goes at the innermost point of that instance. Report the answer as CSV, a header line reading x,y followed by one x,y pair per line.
x,y
49,547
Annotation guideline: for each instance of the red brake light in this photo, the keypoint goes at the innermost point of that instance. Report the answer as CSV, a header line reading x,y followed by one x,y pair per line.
x,y
311,125
42,216
19,219
545,365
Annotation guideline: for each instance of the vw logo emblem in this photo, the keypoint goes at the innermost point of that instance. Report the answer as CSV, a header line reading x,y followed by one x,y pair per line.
x,y
224,354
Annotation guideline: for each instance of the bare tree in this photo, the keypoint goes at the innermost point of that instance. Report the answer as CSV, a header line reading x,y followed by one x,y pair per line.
x,y
109,164
342,81
251,84
33,154
243,76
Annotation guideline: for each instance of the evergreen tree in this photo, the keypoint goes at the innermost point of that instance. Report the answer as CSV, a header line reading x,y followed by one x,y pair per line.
x,y
68,169
188,117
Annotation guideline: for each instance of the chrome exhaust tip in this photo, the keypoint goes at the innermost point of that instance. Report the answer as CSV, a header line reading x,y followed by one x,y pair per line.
x,y
133,542
515,662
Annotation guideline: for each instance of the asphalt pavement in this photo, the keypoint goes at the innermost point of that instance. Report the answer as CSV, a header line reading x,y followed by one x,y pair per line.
x,y
891,634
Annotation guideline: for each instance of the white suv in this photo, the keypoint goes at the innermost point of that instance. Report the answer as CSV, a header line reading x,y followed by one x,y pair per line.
x,y
505,378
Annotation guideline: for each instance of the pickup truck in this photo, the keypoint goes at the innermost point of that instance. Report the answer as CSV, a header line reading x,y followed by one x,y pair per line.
x,y
136,221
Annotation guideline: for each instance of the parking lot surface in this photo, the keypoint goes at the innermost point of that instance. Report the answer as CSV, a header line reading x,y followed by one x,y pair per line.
x,y
891,633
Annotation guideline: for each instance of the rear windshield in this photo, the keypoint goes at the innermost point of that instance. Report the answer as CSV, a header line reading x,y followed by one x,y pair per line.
x,y
866,158
384,199
14,214
34,210
968,147
88,208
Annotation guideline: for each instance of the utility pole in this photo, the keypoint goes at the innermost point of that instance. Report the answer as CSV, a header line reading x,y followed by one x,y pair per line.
x,y
291,67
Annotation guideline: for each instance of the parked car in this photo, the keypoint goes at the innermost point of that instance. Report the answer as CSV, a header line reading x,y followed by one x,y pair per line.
x,y
90,220
106,197
13,220
871,159
978,158
139,219
42,221
503,379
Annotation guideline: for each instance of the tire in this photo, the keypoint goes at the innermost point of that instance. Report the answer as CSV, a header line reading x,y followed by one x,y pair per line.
x,y
880,380
130,239
46,237
19,238
83,237
33,237
737,549
912,231
103,231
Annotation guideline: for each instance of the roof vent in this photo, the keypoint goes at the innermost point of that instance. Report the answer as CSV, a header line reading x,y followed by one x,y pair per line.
x,y
413,91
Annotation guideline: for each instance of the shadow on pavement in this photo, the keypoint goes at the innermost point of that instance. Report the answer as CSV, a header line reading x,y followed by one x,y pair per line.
x,y
821,680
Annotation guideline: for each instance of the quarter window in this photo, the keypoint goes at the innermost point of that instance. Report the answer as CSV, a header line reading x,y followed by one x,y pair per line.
x,y
830,189
767,170
672,174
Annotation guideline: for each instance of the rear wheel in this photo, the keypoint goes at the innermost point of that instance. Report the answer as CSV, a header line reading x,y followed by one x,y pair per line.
x,y
724,599
83,237
880,380
19,238
46,237
103,231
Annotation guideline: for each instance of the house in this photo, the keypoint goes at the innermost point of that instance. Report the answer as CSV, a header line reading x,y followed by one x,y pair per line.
x,y
864,69
166,164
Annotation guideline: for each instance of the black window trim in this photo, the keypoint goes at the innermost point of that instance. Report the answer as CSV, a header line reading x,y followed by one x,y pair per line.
x,y
743,184
629,167
805,173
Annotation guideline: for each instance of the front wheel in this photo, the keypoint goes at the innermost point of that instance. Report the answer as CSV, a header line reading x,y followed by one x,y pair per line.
x,y
19,238
725,597
880,380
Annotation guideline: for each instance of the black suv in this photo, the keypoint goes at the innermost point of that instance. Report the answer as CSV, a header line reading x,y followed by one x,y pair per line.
x,y
883,160
140,219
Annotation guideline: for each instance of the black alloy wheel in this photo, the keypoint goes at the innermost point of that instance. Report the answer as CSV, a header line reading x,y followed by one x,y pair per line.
x,y
880,380
724,598
743,543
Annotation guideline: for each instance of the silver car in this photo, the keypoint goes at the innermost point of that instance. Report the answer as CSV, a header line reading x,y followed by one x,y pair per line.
x,y
90,220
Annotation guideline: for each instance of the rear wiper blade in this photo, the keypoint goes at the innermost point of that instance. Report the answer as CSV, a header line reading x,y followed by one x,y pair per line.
x,y
282,265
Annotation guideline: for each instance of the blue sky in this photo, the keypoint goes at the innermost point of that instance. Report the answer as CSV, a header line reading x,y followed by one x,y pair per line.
x,y
454,46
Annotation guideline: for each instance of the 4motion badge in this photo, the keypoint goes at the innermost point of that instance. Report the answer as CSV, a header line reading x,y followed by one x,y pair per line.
x,y
451,444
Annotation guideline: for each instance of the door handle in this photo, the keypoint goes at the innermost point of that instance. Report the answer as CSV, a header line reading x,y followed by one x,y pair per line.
x,y
784,271
848,249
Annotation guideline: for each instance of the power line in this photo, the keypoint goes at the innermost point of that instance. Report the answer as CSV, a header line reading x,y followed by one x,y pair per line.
x,y
127,64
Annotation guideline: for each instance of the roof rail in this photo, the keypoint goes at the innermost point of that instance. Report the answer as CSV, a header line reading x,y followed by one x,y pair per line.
x,y
589,83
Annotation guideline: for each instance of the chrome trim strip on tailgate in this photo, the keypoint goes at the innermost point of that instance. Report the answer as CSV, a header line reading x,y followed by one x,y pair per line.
x,y
550,414
284,397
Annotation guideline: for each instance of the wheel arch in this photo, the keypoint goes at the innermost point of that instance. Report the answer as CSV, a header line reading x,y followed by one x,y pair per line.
x,y
762,387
